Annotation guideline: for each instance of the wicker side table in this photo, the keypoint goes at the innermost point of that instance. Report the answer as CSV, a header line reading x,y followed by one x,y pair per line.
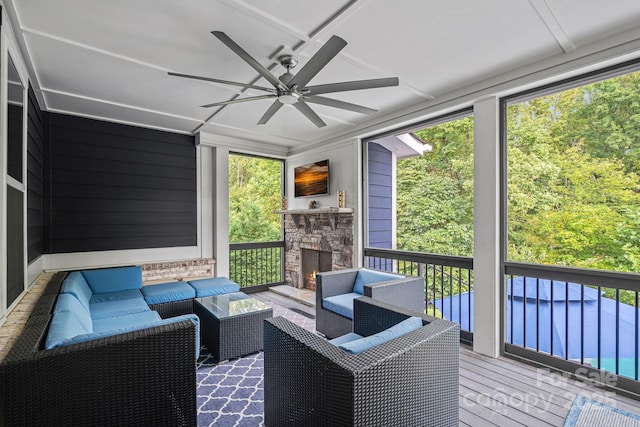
x,y
231,324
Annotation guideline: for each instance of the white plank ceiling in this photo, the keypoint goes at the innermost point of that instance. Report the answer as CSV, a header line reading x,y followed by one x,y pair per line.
x,y
109,60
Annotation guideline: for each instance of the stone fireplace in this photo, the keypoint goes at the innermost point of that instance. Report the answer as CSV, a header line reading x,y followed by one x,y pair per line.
x,y
316,240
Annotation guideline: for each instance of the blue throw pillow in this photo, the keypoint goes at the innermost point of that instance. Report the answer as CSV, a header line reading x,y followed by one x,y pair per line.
x,y
408,325
367,277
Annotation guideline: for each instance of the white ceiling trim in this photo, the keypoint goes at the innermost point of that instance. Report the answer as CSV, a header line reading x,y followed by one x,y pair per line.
x,y
120,121
347,11
93,49
260,135
268,19
549,19
118,104
241,145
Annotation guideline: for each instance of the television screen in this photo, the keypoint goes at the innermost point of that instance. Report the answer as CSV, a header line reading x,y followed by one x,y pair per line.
x,y
312,179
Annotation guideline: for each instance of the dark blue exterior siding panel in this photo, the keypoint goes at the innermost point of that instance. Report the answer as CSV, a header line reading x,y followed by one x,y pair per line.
x,y
35,187
115,187
380,202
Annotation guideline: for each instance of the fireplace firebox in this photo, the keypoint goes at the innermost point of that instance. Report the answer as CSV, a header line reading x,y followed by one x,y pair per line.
x,y
311,262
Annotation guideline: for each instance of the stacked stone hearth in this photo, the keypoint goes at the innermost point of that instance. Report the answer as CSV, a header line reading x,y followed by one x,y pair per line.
x,y
332,232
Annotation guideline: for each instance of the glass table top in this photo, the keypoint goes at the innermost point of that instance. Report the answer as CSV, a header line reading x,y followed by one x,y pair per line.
x,y
232,304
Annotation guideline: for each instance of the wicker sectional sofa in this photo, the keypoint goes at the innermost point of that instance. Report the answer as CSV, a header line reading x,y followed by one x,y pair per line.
x,y
133,374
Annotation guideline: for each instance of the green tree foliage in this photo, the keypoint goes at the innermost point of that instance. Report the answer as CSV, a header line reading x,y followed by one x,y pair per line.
x,y
254,194
435,192
573,186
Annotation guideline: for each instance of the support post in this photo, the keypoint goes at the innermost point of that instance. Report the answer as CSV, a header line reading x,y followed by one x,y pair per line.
x,y
487,333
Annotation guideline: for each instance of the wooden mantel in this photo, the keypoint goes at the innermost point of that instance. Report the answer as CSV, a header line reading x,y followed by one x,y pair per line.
x,y
331,213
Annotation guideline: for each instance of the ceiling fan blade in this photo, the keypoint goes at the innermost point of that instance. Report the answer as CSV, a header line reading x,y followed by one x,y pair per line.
x,y
340,104
270,112
249,59
226,82
238,100
309,113
354,85
317,62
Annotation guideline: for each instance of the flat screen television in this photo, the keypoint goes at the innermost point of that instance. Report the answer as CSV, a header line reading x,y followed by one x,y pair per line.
x,y
312,179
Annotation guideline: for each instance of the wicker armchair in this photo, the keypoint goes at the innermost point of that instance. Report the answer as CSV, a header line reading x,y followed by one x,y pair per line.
x,y
411,380
405,291
146,377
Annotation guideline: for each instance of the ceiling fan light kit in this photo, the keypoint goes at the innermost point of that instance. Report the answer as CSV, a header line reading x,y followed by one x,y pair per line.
x,y
292,89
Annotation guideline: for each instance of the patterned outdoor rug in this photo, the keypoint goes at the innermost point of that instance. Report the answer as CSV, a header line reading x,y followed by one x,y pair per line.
x,y
587,413
232,394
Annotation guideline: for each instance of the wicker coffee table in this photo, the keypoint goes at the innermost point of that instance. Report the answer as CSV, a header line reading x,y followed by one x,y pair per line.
x,y
231,324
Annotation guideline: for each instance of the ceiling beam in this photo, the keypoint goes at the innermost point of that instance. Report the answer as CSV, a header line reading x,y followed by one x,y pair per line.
x,y
549,19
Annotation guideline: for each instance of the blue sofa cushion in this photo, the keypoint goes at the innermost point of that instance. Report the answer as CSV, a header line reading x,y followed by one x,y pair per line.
x,y
102,310
357,346
75,284
123,322
213,286
69,303
107,333
367,277
64,326
113,279
115,296
341,304
343,339
167,292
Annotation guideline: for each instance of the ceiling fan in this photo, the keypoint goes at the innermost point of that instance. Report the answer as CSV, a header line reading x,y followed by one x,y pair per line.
x,y
292,89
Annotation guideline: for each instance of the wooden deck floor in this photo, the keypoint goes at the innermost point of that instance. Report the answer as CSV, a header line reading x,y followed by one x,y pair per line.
x,y
504,391
493,392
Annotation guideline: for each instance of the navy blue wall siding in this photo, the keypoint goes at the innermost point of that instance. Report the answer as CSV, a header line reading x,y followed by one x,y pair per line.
x,y
15,244
14,141
116,187
380,185
35,140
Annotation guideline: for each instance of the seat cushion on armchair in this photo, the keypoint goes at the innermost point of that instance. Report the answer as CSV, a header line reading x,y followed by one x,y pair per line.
x,y
359,345
341,304
367,277
113,279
